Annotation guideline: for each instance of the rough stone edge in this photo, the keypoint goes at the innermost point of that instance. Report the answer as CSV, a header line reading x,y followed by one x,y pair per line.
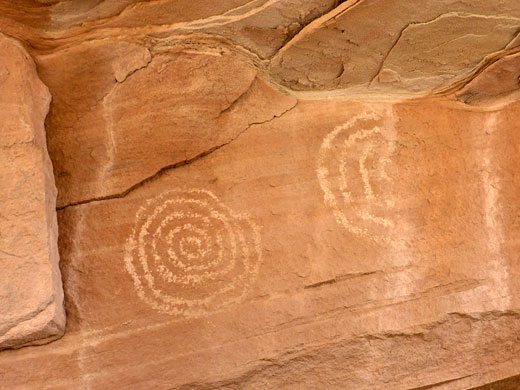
x,y
48,324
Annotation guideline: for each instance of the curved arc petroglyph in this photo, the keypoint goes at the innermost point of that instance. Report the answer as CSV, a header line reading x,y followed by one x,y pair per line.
x,y
337,190
190,255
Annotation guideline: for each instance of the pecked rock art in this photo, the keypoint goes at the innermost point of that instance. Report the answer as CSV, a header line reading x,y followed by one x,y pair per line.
x,y
353,164
190,255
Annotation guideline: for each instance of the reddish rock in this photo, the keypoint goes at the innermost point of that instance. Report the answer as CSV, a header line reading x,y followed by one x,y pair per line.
x,y
250,199
31,294
110,138
498,83
398,259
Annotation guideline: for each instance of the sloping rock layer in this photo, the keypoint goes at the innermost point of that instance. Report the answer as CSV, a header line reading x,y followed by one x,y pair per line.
x,y
279,194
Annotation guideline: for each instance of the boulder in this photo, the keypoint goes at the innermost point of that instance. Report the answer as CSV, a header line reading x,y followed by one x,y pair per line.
x,y
31,293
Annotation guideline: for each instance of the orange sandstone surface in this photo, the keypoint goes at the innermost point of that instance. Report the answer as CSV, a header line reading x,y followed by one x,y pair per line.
x,y
266,194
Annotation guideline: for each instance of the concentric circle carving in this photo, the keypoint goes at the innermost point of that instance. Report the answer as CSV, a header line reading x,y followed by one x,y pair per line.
x,y
190,255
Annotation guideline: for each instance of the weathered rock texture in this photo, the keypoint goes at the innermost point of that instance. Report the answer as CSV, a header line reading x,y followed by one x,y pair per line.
x,y
280,194
31,294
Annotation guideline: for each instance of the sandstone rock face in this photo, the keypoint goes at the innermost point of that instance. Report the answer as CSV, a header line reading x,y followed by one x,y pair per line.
x,y
31,294
280,194
111,139
398,45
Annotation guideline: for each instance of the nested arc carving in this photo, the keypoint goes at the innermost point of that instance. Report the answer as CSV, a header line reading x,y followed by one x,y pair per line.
x,y
352,173
190,255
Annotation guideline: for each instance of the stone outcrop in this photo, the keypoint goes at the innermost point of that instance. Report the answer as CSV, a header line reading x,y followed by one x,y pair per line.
x,y
280,194
31,294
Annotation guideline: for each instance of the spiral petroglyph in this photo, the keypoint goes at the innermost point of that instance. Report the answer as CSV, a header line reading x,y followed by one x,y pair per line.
x,y
352,172
190,255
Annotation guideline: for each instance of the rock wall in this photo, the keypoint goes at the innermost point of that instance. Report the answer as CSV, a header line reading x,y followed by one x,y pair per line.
x,y
31,293
272,194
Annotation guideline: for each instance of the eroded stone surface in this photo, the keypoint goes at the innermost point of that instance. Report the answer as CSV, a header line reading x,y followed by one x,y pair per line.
x,y
31,294
220,229
359,46
496,84
378,295
111,138
377,46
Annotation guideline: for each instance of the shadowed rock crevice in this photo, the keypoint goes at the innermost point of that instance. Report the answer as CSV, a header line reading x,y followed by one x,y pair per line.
x,y
504,384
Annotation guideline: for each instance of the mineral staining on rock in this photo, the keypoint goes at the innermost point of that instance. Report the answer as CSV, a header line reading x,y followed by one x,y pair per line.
x,y
280,194
31,294
119,138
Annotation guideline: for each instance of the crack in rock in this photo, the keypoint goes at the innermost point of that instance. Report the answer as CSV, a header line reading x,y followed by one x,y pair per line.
x,y
178,164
